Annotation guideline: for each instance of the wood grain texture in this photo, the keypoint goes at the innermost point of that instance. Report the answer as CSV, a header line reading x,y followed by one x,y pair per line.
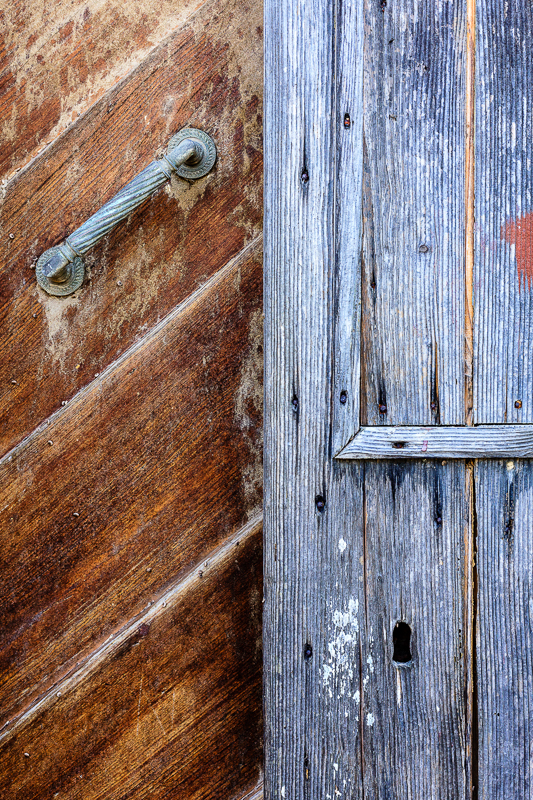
x,y
207,74
334,724
58,58
415,723
413,215
504,506
313,506
170,707
503,355
484,441
132,483
349,120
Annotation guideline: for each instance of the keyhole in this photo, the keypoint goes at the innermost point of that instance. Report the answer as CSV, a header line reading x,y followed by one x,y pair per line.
x,y
401,640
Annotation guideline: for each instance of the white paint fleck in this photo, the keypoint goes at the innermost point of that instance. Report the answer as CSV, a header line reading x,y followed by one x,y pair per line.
x,y
283,791
370,662
369,720
341,647
336,767
342,545
510,466
357,696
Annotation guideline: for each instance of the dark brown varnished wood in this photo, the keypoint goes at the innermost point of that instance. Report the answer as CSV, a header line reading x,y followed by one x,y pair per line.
x,y
171,708
132,483
207,74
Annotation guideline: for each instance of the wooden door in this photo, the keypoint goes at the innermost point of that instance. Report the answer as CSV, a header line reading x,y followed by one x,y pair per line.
x,y
130,413
398,367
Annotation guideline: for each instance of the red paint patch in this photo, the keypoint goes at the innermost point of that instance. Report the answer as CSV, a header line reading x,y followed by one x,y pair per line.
x,y
520,233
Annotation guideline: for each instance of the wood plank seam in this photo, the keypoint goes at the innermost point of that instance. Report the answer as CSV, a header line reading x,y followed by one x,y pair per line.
x,y
256,793
215,560
469,207
40,152
183,307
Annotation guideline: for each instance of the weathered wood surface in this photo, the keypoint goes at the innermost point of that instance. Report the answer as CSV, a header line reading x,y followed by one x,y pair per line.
x,y
313,506
413,214
349,118
503,362
169,707
326,628
504,513
132,483
57,59
484,441
503,271
171,245
415,724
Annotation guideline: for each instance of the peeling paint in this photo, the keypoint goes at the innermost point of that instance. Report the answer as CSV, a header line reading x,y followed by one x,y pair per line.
x,y
341,649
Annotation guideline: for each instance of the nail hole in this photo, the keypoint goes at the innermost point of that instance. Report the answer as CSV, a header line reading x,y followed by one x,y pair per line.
x,y
433,406
382,408
294,403
383,4
347,121
518,404
423,248
308,651
399,445
320,503
401,640
343,397
305,177
438,520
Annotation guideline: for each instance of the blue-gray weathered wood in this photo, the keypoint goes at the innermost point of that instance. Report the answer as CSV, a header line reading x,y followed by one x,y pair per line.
x,y
414,222
328,708
503,369
313,579
483,441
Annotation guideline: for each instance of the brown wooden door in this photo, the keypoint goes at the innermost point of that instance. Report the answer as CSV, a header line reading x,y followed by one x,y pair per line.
x,y
399,404
130,413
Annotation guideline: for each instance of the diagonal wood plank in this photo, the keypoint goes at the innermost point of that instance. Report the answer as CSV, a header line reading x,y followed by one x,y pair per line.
x,y
132,483
57,59
169,707
169,247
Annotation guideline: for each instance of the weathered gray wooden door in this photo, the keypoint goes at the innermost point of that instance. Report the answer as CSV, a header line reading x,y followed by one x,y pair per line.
x,y
399,404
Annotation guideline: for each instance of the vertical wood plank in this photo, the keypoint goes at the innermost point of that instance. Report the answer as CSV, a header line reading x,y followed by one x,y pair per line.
x,y
503,272
415,723
504,506
348,208
413,226
313,505
503,370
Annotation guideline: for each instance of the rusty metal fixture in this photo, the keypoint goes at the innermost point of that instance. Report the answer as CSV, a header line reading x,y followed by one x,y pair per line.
x,y
191,154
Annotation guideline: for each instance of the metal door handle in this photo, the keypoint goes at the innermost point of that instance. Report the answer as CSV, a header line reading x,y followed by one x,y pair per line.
x,y
191,154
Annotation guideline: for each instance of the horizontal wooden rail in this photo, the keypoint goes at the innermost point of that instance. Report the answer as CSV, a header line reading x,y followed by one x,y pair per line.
x,y
454,441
